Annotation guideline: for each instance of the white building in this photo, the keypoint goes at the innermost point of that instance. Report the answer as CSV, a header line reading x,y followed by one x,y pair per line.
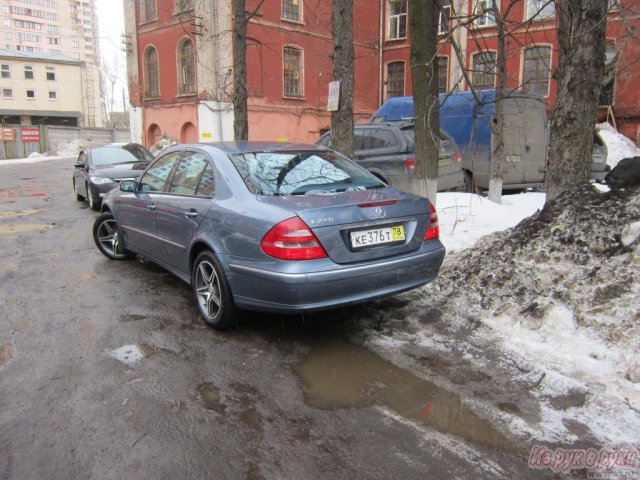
x,y
66,28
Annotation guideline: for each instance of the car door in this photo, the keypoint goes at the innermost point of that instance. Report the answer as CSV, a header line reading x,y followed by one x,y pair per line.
x,y
383,152
137,212
183,206
80,174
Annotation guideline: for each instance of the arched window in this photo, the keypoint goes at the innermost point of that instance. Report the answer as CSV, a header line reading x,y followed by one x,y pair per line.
x,y
536,70
151,75
292,71
395,79
186,67
484,70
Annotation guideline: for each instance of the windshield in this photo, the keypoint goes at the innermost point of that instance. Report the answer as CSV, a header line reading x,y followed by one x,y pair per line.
x,y
301,173
116,155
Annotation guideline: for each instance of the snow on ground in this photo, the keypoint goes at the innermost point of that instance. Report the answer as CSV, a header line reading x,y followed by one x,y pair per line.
x,y
30,159
466,217
618,146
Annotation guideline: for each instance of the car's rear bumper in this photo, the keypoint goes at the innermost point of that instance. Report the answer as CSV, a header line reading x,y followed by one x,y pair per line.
x,y
331,285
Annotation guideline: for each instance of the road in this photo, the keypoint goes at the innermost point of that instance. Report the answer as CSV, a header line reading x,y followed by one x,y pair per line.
x,y
277,398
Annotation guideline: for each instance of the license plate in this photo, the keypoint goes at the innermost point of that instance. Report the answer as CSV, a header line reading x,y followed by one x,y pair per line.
x,y
377,236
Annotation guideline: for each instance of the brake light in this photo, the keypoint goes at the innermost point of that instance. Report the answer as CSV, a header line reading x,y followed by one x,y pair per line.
x,y
457,156
292,239
410,163
434,230
377,204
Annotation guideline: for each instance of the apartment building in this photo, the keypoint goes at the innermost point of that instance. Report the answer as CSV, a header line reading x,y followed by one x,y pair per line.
x,y
65,29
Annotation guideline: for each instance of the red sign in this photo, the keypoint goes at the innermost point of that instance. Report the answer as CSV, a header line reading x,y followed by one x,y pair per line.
x,y
30,135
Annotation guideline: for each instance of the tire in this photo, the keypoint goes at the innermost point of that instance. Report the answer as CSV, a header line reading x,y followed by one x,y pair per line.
x,y
105,236
79,197
210,284
94,204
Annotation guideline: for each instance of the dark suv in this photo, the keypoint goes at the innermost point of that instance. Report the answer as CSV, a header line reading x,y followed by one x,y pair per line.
x,y
388,151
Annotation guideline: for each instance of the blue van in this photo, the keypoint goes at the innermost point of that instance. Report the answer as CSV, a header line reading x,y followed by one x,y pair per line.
x,y
469,123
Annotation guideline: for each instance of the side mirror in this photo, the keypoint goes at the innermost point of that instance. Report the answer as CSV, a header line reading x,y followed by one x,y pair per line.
x,y
128,185
79,165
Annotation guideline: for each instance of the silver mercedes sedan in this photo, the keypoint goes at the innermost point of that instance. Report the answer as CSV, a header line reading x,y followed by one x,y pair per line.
x,y
275,227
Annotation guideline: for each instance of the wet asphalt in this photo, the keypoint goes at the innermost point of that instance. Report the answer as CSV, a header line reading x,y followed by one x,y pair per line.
x,y
276,398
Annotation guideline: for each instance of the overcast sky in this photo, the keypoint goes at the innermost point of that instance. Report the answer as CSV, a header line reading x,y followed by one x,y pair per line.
x,y
111,25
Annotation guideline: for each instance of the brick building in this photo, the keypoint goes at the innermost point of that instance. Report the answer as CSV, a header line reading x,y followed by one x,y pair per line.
x,y
181,68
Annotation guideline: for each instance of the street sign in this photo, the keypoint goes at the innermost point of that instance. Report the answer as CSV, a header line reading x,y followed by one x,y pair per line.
x,y
8,134
30,135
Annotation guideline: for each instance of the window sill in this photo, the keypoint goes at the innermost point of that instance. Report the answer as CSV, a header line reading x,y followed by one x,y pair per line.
x,y
396,39
146,22
299,97
182,12
152,98
288,20
484,27
186,94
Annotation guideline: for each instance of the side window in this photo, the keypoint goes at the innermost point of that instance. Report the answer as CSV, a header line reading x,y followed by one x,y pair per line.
x,y
155,179
187,177
207,184
325,140
359,139
382,138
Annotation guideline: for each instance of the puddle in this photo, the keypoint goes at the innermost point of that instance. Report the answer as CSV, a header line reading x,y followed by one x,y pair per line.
x,y
23,228
342,375
18,213
211,397
6,354
130,354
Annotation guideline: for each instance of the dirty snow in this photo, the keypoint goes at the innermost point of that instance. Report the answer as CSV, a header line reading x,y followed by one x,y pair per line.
x,y
129,354
618,146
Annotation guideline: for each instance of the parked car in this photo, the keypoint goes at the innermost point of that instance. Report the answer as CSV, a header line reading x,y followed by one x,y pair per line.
x,y
272,227
101,169
470,121
388,151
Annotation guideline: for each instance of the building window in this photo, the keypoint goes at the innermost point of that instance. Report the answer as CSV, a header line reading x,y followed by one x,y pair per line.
x,y
395,79
7,93
292,67
53,95
291,10
6,70
28,72
397,27
186,67
443,74
51,73
31,94
443,17
484,70
76,55
151,75
483,13
537,70
181,6
147,10
614,5
539,9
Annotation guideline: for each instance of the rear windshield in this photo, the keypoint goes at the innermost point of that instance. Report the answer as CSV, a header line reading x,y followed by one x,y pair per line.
x,y
301,173
115,155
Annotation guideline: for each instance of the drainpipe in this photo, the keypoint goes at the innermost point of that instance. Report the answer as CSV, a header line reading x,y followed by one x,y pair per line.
x,y
216,31
380,43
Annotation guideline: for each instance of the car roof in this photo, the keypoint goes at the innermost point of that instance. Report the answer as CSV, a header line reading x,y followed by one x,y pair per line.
x,y
256,146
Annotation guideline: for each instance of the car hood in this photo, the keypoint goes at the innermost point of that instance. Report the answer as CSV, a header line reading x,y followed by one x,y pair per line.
x,y
122,170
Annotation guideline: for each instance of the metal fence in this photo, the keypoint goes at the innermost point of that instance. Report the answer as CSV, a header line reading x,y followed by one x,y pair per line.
x,y
22,141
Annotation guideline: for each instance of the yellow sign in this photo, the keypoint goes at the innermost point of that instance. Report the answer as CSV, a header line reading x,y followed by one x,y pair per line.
x,y
206,135
282,139
8,134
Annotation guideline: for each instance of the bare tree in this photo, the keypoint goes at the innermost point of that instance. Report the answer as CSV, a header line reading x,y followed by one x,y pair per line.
x,y
424,77
342,118
581,38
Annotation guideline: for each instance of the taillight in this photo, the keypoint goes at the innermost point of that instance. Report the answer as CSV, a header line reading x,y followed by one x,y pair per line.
x,y
410,163
433,231
292,239
457,156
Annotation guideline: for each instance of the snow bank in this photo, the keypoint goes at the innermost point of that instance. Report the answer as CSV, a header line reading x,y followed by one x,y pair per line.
x,y
618,146
466,217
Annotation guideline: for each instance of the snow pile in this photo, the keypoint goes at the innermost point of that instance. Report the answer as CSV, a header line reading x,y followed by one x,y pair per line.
x,y
465,217
162,144
618,146
74,147
35,155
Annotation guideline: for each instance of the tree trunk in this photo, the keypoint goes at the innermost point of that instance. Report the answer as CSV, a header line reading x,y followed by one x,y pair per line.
x,y
240,109
498,155
581,38
424,76
342,119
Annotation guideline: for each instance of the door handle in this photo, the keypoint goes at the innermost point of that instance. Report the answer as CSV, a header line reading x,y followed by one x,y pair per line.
x,y
151,206
191,213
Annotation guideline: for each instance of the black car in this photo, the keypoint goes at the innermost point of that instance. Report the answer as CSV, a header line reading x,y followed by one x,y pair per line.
x,y
101,169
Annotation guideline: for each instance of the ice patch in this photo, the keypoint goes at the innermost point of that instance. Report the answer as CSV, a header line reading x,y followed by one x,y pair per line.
x,y
630,234
129,354
618,146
